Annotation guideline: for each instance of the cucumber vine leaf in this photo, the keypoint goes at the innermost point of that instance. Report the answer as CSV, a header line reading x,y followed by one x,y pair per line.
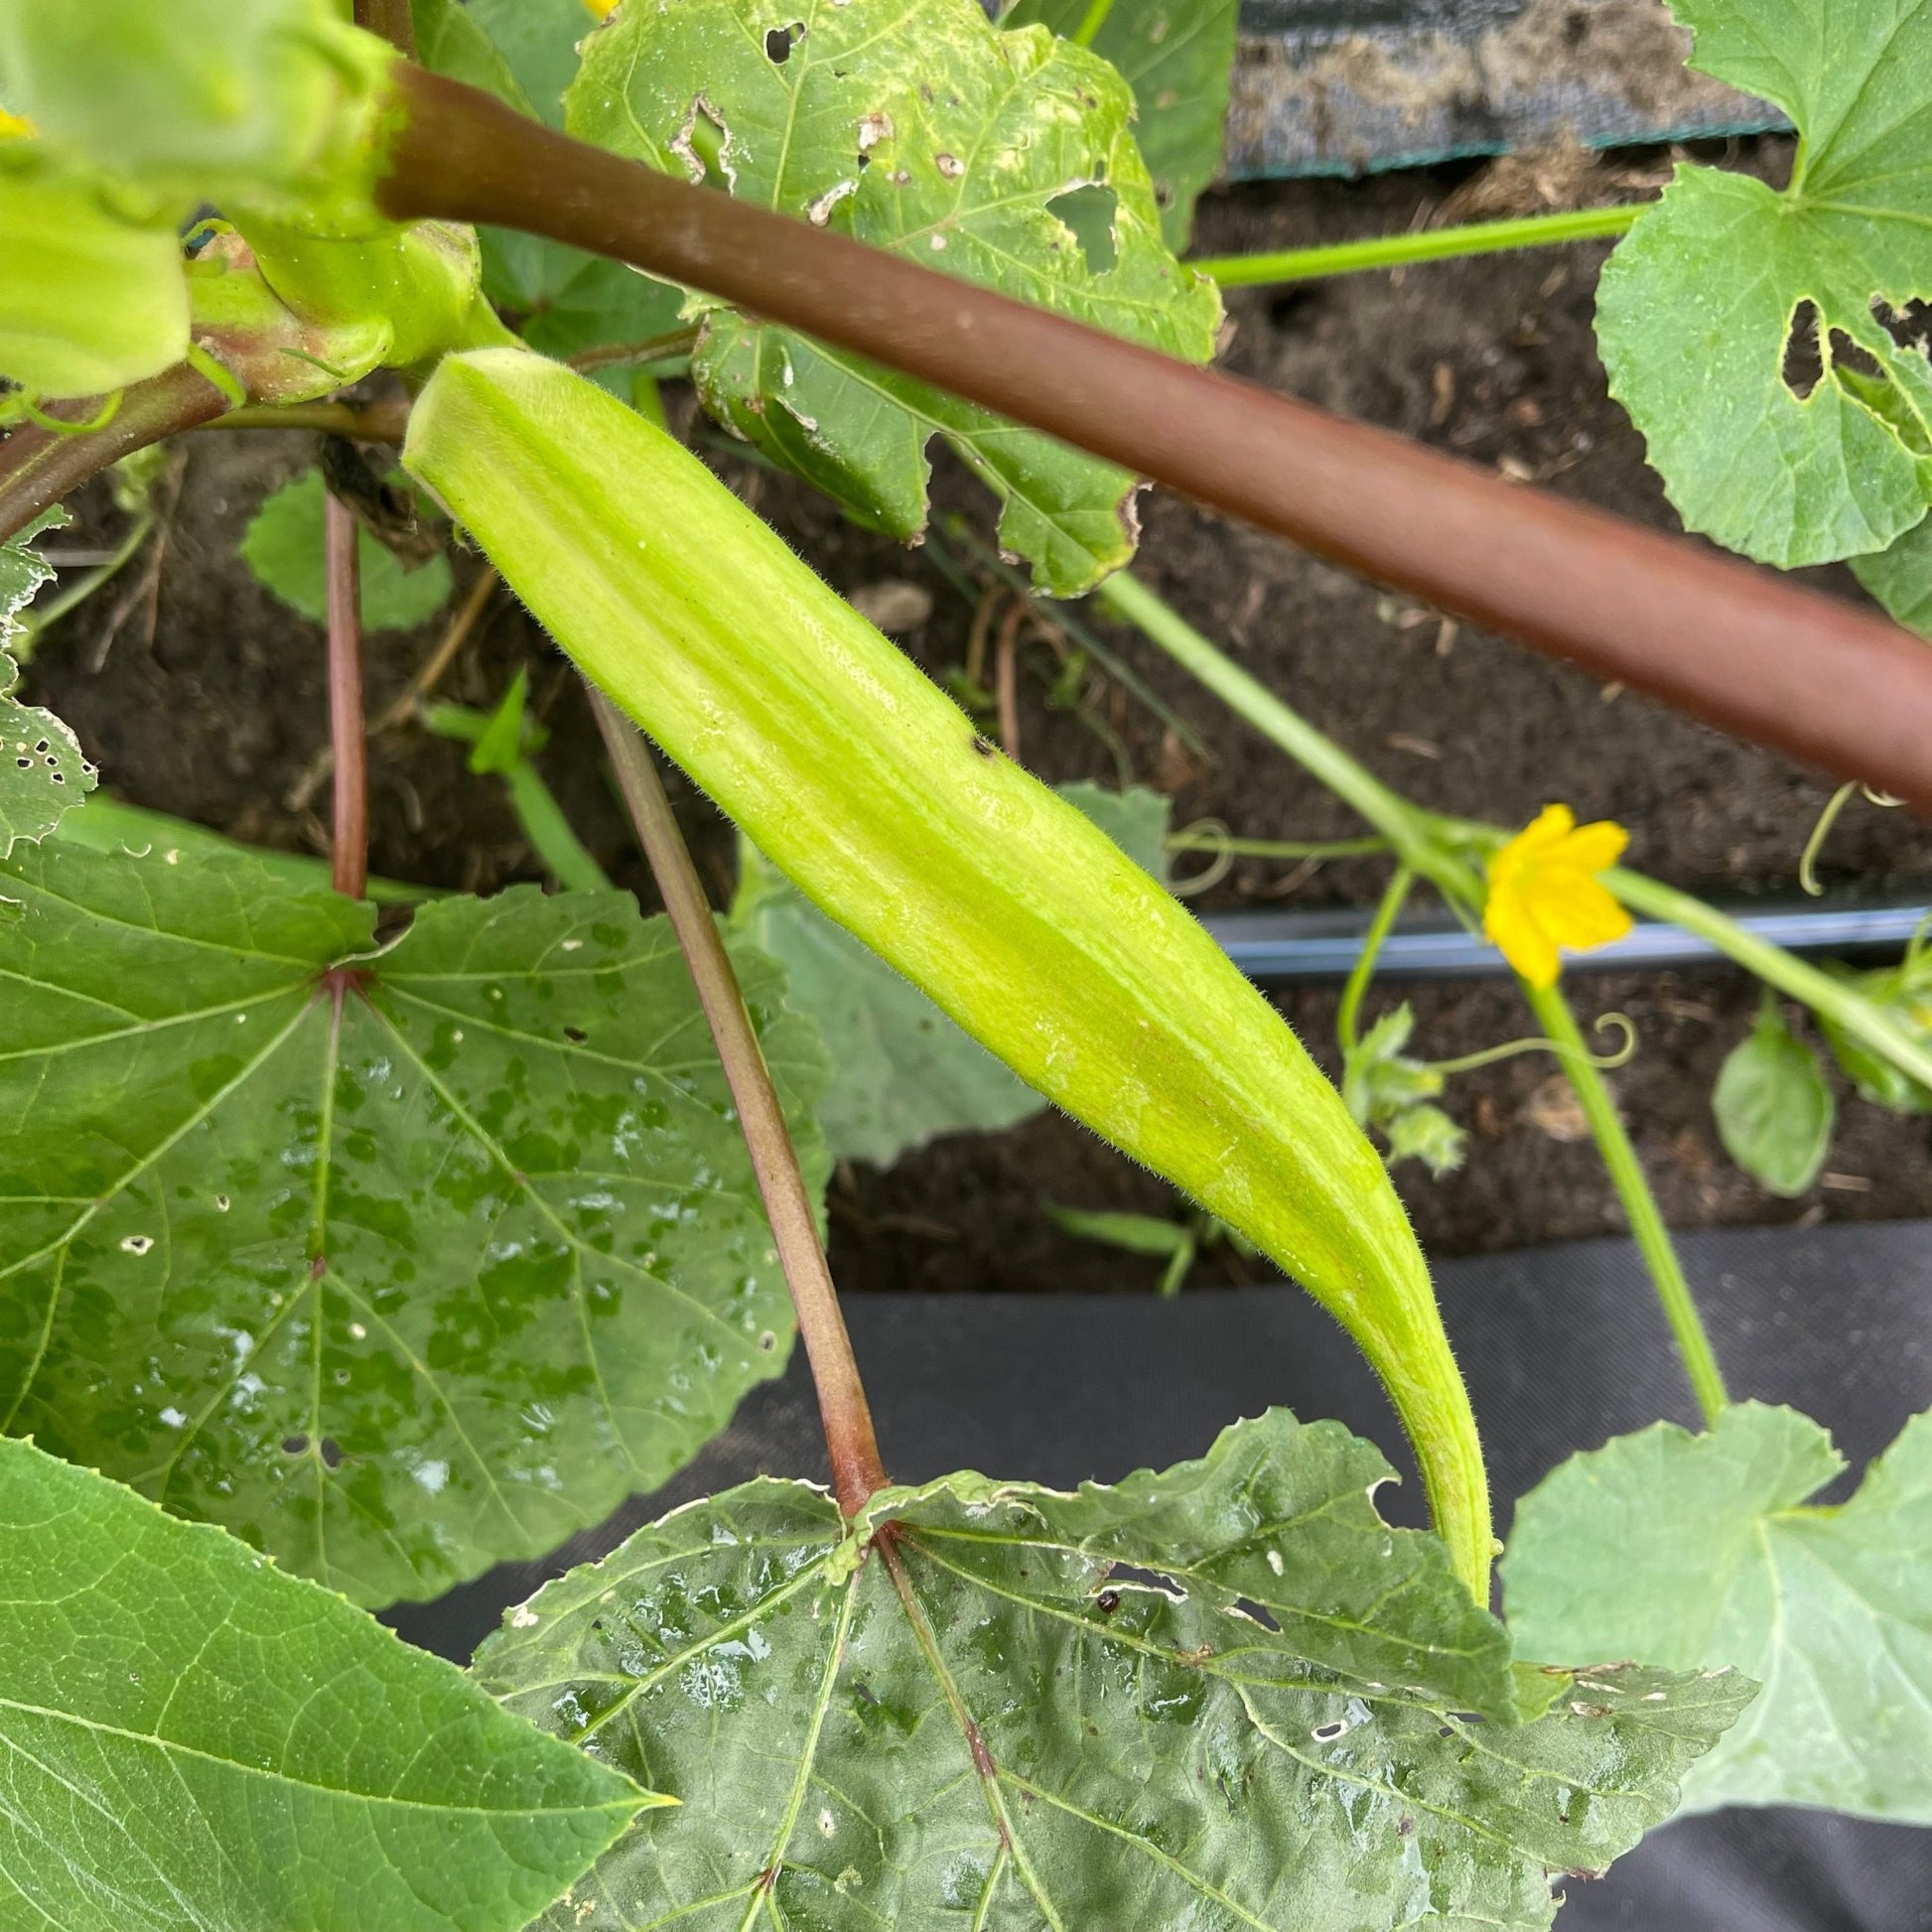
x,y
42,772
1688,1550
1179,58
1901,577
396,1261
1699,307
1004,158
1225,1695
192,1739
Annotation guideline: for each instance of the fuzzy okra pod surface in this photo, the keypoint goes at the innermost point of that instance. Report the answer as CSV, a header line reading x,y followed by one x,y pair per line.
x,y
870,790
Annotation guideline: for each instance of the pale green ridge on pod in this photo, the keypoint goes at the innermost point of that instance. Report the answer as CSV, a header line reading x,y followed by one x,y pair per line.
x,y
867,786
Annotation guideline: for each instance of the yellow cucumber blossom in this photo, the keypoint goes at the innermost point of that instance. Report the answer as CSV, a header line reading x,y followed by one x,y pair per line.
x,y
15,127
600,9
1544,893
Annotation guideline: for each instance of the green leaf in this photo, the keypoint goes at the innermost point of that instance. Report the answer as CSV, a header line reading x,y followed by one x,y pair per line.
x,y
1696,306
561,300
1699,1551
1136,1234
42,772
922,129
1773,1107
283,546
1179,58
1385,1089
1901,577
1905,992
194,1739
397,1263
988,1714
903,1073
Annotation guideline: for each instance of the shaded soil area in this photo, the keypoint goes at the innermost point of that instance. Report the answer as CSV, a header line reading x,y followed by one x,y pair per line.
x,y
200,695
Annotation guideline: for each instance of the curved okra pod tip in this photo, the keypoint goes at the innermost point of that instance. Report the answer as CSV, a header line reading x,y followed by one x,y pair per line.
x,y
868,786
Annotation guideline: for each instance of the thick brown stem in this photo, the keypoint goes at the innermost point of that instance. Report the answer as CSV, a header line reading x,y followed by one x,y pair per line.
x,y
392,19
39,467
348,739
375,422
1737,646
856,1471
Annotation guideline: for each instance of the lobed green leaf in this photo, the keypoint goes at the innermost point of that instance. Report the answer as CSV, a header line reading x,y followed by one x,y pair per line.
x,y
1227,1696
189,1739
1704,1550
399,1261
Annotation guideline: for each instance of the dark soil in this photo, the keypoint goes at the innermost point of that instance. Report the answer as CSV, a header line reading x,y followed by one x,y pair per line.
x,y
208,702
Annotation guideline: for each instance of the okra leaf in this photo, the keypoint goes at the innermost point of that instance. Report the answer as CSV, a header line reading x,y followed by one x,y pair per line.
x,y
1003,157
561,300
903,1073
193,1738
1901,577
1691,1550
1699,307
396,1261
1227,1694
1773,1106
42,772
283,547
1179,58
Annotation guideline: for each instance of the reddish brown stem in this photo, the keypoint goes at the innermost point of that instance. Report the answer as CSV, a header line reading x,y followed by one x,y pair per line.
x,y
392,19
1740,647
348,736
856,1471
374,422
39,467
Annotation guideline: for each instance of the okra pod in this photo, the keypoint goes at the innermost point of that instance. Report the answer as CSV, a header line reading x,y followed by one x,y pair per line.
x,y
870,790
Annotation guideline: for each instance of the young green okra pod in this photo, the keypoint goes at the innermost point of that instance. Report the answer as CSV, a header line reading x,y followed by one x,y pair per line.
x,y
868,788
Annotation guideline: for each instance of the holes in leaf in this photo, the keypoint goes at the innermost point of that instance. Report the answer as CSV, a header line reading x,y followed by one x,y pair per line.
x,y
704,145
295,1446
576,1035
1256,1613
780,42
1804,359
1089,211
1909,327
330,1452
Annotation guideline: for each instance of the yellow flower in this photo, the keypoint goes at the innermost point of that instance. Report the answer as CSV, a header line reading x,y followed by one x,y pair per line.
x,y
601,9
1544,893
16,127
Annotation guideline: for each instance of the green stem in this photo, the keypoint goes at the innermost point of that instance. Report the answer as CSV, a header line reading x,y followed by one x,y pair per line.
x,y
1808,860
1653,1241
1364,970
562,853
1090,24
1226,845
1427,245
1407,829
1824,995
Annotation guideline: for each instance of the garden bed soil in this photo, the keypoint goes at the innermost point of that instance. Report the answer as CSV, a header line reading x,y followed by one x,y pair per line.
x,y
207,701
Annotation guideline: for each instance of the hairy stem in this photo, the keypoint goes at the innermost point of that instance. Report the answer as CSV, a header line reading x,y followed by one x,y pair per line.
x,y
1348,1015
1653,1241
1833,685
1429,245
856,1471
348,739
39,467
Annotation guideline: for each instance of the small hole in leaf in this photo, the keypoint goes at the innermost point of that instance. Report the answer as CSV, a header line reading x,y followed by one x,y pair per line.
x,y
780,40
295,1446
1804,361
1258,1612
330,1452
1909,327
1848,354
576,1034
1089,211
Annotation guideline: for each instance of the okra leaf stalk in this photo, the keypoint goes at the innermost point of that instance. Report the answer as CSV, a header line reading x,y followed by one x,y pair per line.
x,y
1831,685
869,788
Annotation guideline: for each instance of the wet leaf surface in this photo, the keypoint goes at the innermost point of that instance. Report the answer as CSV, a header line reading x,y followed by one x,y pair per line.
x,y
397,1269
1792,451
1701,1550
1227,1695
1003,157
189,1739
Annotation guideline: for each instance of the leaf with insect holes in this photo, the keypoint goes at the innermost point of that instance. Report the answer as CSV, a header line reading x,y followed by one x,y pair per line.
x,y
1773,1106
398,1261
1901,577
1179,58
903,1073
1223,1695
561,300
1003,157
1694,1550
194,1739
42,772
283,546
1698,307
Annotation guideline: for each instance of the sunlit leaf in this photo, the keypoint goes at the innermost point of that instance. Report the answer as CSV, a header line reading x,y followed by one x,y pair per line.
x,y
189,1739
1227,1696
395,1260
1698,307
1701,1550
1004,158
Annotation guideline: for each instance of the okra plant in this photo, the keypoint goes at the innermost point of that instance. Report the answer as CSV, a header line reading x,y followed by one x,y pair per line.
x,y
341,1261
